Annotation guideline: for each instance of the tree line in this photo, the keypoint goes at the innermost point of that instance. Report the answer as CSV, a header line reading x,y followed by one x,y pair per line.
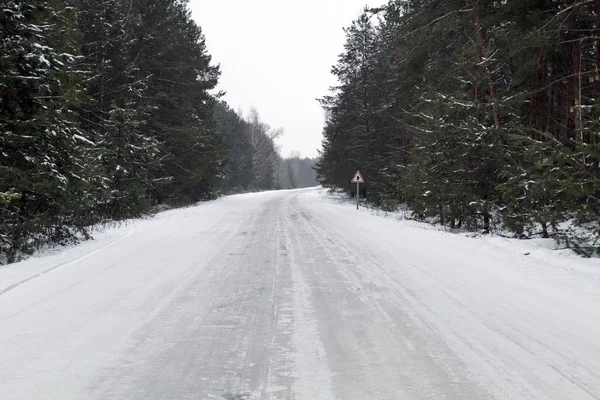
x,y
477,114
107,109
254,160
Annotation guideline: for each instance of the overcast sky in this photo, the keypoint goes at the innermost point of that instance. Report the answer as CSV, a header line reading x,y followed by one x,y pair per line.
x,y
276,55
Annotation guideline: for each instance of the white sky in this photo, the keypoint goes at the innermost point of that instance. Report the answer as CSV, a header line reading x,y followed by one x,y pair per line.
x,y
277,55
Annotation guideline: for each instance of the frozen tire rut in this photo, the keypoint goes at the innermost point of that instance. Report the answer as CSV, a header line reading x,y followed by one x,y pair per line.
x,y
287,295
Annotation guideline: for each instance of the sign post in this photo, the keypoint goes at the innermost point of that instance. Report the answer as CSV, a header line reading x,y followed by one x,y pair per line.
x,y
358,179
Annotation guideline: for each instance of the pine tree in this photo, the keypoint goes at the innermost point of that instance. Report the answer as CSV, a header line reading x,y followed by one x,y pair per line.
x,y
41,159
291,177
235,130
354,134
115,111
170,55
460,139
485,113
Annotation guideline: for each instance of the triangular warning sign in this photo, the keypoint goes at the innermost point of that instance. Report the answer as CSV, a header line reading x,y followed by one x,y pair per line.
x,y
358,178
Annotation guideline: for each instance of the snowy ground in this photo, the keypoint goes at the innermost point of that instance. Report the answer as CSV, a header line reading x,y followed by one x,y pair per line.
x,y
294,295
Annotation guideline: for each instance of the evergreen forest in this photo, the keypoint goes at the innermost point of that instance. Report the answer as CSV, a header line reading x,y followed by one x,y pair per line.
x,y
475,114
109,111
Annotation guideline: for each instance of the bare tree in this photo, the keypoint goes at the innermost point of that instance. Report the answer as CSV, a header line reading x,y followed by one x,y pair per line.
x,y
262,139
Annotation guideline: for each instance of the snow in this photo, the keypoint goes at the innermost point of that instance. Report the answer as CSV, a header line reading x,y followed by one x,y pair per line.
x,y
40,46
296,294
46,261
44,60
83,139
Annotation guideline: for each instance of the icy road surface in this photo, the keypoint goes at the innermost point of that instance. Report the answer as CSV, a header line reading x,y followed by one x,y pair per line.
x,y
292,295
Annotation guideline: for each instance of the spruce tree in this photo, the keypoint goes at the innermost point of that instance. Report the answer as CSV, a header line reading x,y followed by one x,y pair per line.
x,y
235,132
41,158
115,111
483,113
170,55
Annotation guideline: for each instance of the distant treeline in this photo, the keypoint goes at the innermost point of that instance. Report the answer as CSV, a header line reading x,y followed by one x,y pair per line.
x,y
254,163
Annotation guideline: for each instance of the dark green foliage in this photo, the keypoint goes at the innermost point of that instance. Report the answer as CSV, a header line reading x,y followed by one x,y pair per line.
x,y
239,173
476,113
114,112
41,157
169,54
105,112
356,127
108,133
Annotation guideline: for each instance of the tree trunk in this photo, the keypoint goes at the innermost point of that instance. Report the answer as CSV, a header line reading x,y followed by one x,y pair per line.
x,y
536,99
550,101
486,222
576,53
568,123
576,88
545,234
597,75
489,68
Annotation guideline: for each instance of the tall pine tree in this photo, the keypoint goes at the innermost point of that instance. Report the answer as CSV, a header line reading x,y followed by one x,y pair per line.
x,y
41,156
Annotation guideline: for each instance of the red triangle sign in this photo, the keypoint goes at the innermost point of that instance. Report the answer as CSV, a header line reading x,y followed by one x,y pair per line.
x,y
358,178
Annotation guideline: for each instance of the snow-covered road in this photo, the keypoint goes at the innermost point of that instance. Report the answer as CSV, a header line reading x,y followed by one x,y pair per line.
x,y
292,295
